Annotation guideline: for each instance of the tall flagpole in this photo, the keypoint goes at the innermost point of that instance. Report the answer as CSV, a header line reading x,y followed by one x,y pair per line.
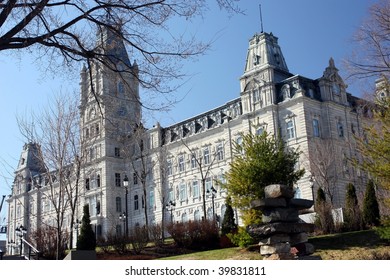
x,y
261,19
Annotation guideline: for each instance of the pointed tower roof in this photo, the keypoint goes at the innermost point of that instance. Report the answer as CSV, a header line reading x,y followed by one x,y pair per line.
x,y
112,44
264,52
29,159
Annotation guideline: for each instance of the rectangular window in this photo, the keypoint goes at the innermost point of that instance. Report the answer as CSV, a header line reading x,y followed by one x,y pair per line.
x,y
169,167
87,184
97,129
91,153
195,189
135,178
256,96
340,129
136,206
118,204
181,163
290,130
117,152
206,156
151,199
183,192
209,184
316,128
220,155
194,164
117,179
170,195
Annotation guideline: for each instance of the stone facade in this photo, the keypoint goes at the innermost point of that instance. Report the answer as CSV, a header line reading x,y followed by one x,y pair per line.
x,y
167,167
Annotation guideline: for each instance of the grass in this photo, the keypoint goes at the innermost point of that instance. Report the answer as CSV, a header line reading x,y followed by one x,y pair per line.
x,y
361,245
234,253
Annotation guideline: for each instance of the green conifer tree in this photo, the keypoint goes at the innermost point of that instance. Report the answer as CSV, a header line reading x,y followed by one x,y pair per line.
x,y
321,197
86,240
352,215
371,216
259,161
228,223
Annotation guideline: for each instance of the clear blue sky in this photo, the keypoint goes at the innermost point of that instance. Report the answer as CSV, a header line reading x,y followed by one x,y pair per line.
x,y
309,32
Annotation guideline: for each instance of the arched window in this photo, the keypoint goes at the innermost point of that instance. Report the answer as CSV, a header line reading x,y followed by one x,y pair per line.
x,y
197,215
121,88
184,217
340,129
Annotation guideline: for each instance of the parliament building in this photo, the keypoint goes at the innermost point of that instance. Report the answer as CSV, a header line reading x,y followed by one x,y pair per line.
x,y
132,175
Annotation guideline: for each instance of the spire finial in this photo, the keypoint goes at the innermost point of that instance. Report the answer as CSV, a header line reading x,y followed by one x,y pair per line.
x,y
261,19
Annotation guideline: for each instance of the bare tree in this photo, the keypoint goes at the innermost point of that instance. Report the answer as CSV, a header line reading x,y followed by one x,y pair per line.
x,y
323,168
137,154
162,155
66,30
372,53
203,160
56,130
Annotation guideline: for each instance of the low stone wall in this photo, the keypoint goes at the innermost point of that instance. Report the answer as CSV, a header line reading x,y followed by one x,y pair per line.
x,y
282,235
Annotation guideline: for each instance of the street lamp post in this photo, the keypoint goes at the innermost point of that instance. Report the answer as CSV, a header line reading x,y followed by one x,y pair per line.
x,y
123,217
213,192
170,207
126,185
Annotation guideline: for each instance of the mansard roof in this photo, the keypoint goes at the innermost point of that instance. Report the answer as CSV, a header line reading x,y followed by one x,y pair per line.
x,y
202,122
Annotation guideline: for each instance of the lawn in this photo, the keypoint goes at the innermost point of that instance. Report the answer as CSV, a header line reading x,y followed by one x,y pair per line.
x,y
361,245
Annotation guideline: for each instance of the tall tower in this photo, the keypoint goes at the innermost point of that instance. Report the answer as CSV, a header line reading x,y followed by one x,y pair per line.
x,y
109,111
19,203
265,66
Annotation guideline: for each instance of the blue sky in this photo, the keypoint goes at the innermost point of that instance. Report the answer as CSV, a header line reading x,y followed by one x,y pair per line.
x,y
309,32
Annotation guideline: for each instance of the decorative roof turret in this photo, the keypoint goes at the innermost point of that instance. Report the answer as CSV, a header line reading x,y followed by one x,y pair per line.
x,y
264,52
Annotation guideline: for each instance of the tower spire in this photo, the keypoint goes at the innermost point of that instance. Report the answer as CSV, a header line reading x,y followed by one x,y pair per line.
x,y
261,19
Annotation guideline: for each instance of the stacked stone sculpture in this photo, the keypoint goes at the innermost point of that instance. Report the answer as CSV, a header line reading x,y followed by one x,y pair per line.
x,y
282,235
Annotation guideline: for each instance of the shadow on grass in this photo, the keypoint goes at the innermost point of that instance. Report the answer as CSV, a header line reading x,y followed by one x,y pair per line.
x,y
364,239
